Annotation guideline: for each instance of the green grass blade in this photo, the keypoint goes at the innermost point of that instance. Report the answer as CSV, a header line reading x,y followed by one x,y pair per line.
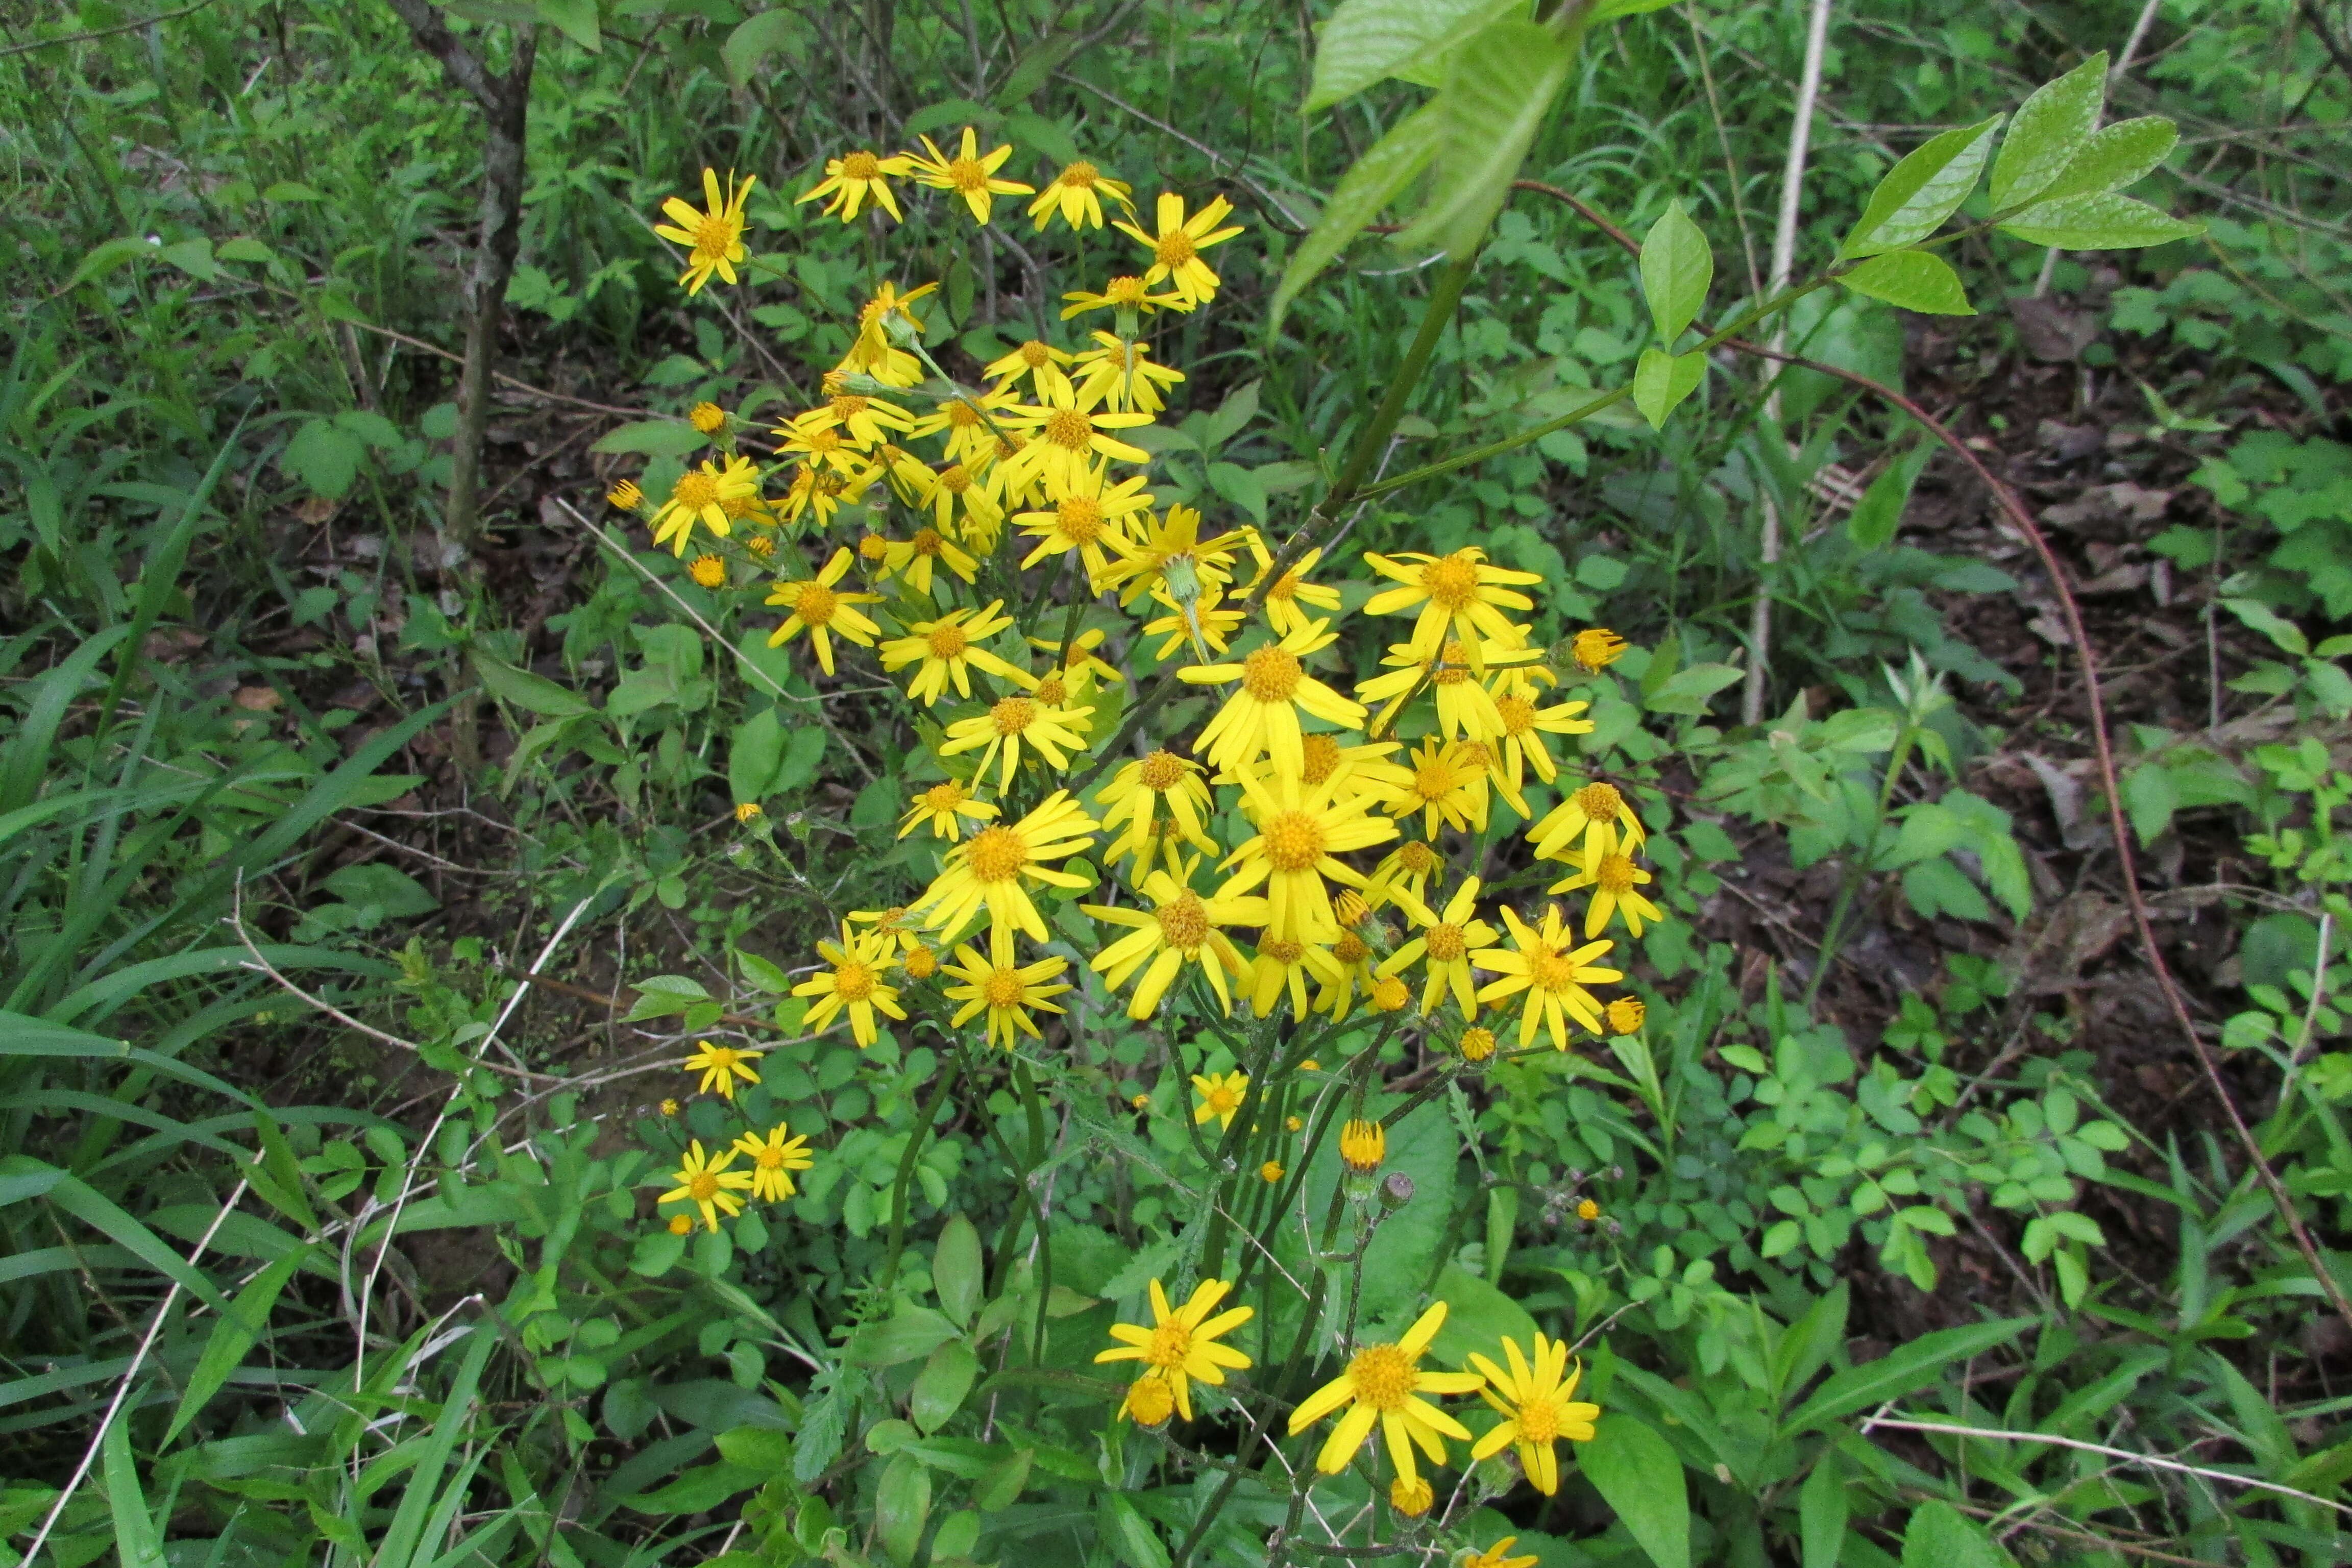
x,y
245,1322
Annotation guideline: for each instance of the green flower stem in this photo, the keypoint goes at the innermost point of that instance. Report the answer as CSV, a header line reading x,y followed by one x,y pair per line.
x,y
915,1137
1833,933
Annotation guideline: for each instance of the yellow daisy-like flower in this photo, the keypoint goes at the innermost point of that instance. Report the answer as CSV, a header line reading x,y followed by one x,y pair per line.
x,y
702,496
1205,624
1077,195
1301,830
1221,1098
970,424
1405,871
1524,725
870,422
1176,248
1595,648
1090,518
773,1160
989,872
1079,662
1546,965
1445,787
722,1067
1120,375
948,649
1136,795
708,1185
1065,439
1172,552
1123,293
1354,956
961,507
1458,595
713,238
1282,599
880,320
1615,883
706,417
1625,1016
1182,927
707,571
969,173
1271,691
820,441
915,558
824,611
853,983
1363,1145
1282,964
1054,733
819,492
1149,1402
1448,943
1463,706
1595,814
1040,362
626,495
944,806
1006,990
1538,1407
1181,1346
1383,1385
855,178
1499,1556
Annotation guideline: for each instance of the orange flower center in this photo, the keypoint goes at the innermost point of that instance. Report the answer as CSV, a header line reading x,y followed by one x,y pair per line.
x,y
1003,988
1446,943
860,166
1124,291
1052,692
1383,1376
927,541
967,175
921,963
1079,176
1615,875
943,797
962,415
695,490
1272,673
1450,581
771,1157
955,480
1321,755
709,570
1175,248
1389,993
1477,1044
1350,948
1035,354
849,406
1281,950
1538,1422
1417,858
996,854
817,605
1068,428
823,440
852,980
702,1186
1453,667
1080,519
945,642
1013,714
1172,1342
1224,1102
1433,780
1599,802
1549,970
1518,714
1160,772
1293,841
1183,922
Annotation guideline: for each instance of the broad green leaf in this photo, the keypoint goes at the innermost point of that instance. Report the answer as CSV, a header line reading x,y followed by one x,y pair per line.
x,y
234,1334
1000,1487
2049,129
1499,88
1610,10
653,439
2114,156
1676,268
194,258
1909,1368
941,1386
1915,280
324,458
1661,381
531,693
1638,1474
902,1503
2151,797
957,1272
1375,181
1821,1512
697,1491
107,256
1878,515
1134,1543
24,1036
756,38
575,19
1940,1536
2106,221
1478,1318
1923,190
753,756
1366,40
804,749
912,1333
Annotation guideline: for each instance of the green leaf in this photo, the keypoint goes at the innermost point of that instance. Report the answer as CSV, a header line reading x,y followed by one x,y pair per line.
x,y
1639,1476
1000,1487
137,1543
957,1272
531,693
902,1503
1928,830
2114,156
1821,1512
1676,268
755,754
653,439
1878,515
697,1491
106,258
941,1386
1136,1543
1498,89
1610,10
1940,1536
2050,127
24,1036
575,19
913,1332
1366,40
803,750
1478,1318
1909,1367
194,258
1915,280
1377,179
1660,382
2102,222
2151,797
1923,190
755,38
235,1332
323,456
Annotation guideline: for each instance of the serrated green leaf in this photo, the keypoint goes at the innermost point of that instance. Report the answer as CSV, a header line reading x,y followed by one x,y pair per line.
x,y
1915,280
323,456
1366,40
2049,128
1377,179
1676,268
1661,381
1923,190
2114,156
1497,93
2104,221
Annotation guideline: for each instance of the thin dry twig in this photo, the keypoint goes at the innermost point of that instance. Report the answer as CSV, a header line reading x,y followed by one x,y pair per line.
x,y
2151,1460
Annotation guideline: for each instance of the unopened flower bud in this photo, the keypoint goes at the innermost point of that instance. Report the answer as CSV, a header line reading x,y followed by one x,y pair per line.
x,y
1396,1190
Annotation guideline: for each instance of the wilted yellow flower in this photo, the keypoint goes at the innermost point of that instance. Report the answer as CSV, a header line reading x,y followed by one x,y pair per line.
x,y
707,1184
1597,648
1270,1173
1221,1098
1140,1102
1383,1385
969,173
1176,248
713,238
1363,1145
669,1108
773,1160
1552,971
1181,1344
626,495
853,179
1626,1015
721,1067
1073,194
1539,1408
707,418
749,811
1587,1210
